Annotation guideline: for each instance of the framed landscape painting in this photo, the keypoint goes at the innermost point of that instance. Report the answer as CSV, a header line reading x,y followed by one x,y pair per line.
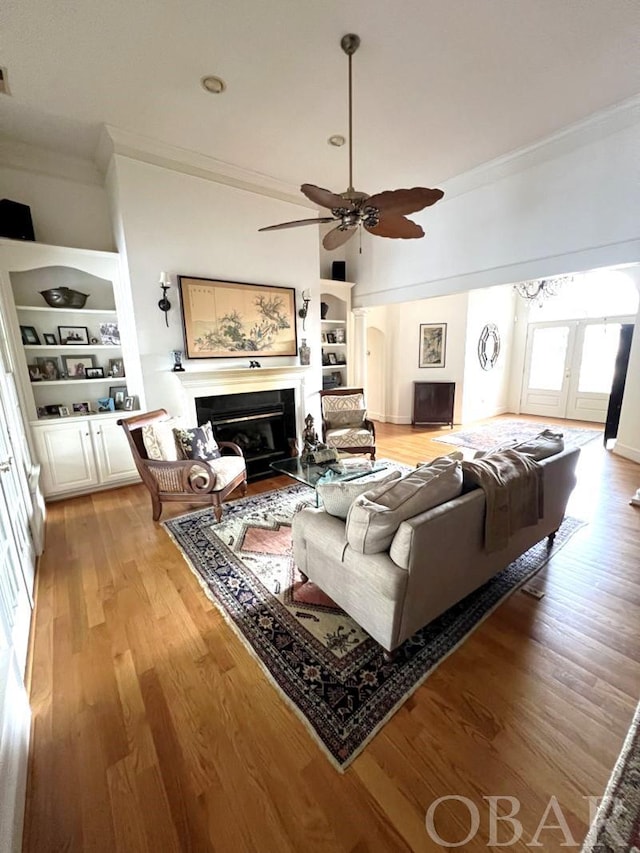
x,y
433,340
227,319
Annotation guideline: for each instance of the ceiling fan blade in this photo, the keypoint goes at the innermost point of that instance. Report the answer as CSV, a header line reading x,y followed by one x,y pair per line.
x,y
397,227
297,222
404,201
325,198
338,236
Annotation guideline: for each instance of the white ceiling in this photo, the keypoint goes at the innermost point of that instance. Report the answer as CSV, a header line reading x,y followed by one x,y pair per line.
x,y
440,85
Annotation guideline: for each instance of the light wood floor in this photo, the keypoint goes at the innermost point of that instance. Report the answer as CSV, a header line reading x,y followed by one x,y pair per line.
x,y
155,730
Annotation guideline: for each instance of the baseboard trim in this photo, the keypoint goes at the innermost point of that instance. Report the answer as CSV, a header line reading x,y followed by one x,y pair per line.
x,y
631,453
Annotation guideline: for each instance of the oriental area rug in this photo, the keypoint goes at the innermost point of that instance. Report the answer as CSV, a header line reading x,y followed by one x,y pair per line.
x,y
328,669
617,823
489,436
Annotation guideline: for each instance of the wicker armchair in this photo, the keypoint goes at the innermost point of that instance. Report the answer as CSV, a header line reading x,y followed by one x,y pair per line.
x,y
345,426
187,480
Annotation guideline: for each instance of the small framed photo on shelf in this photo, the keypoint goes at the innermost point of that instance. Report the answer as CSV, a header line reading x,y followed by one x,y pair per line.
x,y
110,334
76,365
35,374
116,367
118,393
94,372
53,410
106,404
129,404
63,411
50,339
323,337
331,337
29,335
81,408
49,368
332,358
74,335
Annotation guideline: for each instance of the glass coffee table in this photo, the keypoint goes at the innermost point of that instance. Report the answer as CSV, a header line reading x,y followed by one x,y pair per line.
x,y
329,472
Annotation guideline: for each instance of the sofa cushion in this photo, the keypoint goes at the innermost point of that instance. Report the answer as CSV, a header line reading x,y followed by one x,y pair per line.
x,y
159,440
545,444
197,442
337,497
373,519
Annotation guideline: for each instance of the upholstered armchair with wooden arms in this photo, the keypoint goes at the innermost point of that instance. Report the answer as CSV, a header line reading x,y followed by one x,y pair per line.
x,y
184,480
345,425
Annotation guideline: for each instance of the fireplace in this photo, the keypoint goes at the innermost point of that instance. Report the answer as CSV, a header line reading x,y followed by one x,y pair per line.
x,y
262,423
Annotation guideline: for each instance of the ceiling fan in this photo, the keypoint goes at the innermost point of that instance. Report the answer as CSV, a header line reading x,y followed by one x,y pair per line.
x,y
382,214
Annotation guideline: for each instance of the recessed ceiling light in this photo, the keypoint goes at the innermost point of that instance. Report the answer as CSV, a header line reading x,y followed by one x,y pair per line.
x,y
214,85
337,140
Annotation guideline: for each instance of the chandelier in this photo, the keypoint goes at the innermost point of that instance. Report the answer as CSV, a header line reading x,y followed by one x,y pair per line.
x,y
539,290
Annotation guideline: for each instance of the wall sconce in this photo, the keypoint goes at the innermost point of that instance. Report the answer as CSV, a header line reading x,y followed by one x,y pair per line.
x,y
164,304
306,299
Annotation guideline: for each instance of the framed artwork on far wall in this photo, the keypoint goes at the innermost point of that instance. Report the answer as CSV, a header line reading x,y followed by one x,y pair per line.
x,y
230,319
433,343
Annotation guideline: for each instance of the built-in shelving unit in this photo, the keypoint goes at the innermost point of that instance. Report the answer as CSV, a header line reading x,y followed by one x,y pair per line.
x,y
335,330
73,417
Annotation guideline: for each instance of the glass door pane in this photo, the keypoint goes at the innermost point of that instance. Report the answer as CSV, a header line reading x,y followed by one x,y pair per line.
x,y
598,358
548,355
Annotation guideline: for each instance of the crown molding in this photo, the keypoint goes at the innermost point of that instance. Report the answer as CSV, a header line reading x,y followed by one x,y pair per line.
x,y
136,147
596,126
45,161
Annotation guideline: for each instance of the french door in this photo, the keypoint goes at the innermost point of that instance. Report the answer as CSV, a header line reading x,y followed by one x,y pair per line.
x,y
569,368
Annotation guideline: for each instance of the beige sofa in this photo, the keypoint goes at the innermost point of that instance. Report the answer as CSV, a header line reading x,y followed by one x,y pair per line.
x,y
435,559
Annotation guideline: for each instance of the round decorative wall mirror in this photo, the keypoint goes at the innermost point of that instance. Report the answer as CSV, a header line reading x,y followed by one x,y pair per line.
x,y
489,346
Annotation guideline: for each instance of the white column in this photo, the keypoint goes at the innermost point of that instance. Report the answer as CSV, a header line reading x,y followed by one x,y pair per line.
x,y
359,348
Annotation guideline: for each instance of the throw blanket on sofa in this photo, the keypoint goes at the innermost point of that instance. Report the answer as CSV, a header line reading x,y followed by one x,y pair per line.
x,y
512,483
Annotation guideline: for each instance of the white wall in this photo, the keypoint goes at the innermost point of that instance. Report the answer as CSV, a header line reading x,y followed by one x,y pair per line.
x,y
187,225
69,204
486,392
400,325
572,203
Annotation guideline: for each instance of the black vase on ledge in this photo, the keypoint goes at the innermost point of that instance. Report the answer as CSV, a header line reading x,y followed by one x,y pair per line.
x,y
324,308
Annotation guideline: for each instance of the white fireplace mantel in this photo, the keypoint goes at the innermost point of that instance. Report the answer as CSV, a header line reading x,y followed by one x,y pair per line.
x,y
231,380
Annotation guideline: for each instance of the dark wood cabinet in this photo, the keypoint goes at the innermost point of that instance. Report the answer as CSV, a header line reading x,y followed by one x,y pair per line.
x,y
433,403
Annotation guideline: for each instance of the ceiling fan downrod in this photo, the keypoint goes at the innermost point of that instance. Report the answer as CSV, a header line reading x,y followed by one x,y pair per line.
x,y
350,43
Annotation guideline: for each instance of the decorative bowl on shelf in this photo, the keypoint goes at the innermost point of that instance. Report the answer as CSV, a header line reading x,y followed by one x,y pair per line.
x,y
64,297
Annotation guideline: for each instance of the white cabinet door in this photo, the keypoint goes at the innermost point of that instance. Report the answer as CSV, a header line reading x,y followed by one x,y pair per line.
x,y
113,455
66,453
